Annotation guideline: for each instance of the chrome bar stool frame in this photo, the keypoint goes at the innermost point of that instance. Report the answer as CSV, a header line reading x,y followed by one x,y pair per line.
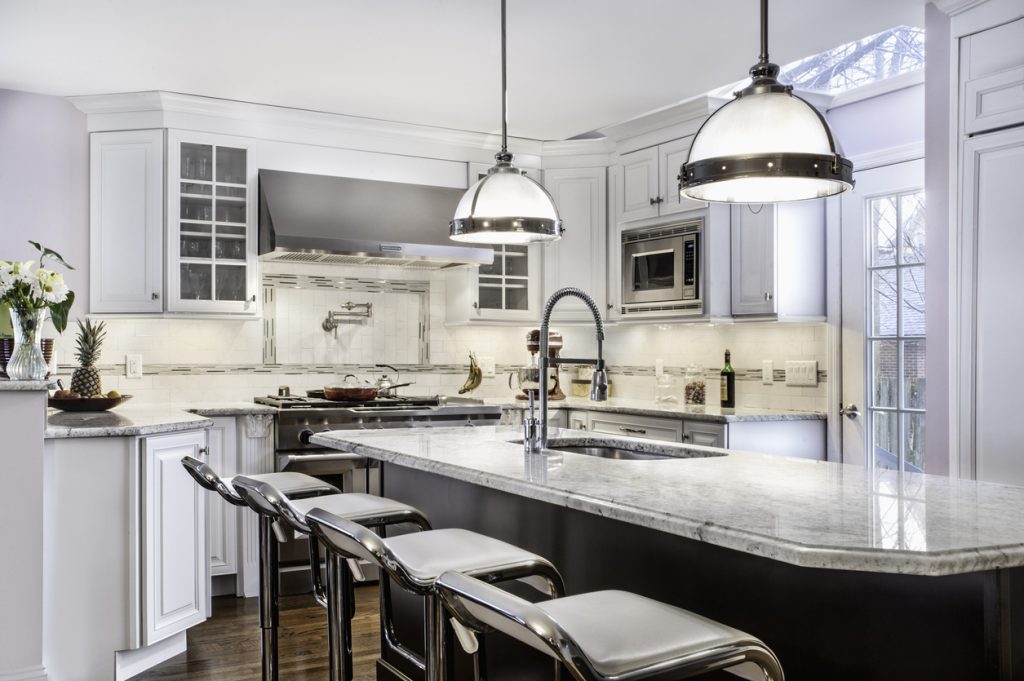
x,y
338,594
481,607
355,541
269,535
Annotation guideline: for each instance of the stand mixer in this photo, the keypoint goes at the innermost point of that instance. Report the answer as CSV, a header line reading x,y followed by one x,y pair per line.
x,y
528,377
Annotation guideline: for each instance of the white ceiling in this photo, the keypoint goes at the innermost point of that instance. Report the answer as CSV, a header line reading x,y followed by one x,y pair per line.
x,y
574,65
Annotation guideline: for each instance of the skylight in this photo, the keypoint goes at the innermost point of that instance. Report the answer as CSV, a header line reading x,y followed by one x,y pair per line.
x,y
884,55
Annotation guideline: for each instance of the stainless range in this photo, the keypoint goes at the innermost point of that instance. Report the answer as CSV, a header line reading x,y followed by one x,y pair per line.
x,y
298,418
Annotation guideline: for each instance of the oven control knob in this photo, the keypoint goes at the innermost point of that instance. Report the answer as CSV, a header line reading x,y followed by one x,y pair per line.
x,y
304,436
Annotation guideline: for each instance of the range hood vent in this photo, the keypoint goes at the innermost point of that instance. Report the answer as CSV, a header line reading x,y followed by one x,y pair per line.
x,y
346,221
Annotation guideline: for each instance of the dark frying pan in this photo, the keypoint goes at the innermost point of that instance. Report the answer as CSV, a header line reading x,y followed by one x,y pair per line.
x,y
350,394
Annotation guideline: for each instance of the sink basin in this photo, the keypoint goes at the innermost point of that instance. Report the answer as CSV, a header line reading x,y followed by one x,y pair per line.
x,y
610,452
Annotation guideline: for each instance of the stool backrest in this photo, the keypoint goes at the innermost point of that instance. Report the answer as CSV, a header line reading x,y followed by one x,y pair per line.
x,y
207,478
352,540
261,496
483,607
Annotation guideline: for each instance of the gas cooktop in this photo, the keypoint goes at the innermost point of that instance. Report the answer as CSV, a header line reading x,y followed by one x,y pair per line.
x,y
315,399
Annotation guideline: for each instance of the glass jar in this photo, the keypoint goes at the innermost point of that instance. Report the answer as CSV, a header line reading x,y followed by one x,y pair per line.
x,y
665,390
695,390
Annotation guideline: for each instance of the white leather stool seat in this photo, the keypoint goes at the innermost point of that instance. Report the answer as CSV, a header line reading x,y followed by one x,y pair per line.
x,y
351,505
621,632
289,484
425,555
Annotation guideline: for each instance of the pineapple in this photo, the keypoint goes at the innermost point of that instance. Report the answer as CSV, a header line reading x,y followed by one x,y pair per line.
x,y
86,379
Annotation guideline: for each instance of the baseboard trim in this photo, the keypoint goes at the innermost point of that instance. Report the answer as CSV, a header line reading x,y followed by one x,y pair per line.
x,y
26,674
129,663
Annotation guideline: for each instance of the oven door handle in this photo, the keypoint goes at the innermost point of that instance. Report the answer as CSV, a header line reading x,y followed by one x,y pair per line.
x,y
338,456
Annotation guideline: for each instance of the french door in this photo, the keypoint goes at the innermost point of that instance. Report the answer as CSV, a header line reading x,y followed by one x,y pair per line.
x,y
883,318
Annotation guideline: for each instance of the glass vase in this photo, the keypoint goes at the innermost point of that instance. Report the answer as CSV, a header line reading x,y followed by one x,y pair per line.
x,y
27,362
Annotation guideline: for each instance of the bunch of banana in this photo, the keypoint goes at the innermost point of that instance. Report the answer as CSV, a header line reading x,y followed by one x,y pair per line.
x,y
476,376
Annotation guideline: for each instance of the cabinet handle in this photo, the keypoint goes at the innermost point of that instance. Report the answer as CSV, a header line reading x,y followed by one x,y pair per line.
x,y
154,296
610,306
686,437
476,305
771,296
253,298
635,431
660,199
203,451
766,296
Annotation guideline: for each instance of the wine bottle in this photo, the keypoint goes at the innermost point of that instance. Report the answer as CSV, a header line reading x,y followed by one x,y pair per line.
x,y
728,383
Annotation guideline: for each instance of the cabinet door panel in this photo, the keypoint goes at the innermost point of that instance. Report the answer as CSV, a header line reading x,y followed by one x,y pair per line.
x,y
753,260
126,221
704,434
671,157
222,517
174,554
639,184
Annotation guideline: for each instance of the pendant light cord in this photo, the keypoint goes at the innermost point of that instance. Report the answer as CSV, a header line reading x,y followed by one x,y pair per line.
x,y
764,30
504,88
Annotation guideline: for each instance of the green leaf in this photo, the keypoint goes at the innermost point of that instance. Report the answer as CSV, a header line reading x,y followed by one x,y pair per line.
x,y
60,311
48,253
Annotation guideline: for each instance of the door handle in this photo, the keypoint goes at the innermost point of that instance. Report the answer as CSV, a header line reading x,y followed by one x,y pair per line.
x,y
851,412
635,431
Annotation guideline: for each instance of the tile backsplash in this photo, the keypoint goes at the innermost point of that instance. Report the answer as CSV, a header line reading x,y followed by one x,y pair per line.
x,y
222,359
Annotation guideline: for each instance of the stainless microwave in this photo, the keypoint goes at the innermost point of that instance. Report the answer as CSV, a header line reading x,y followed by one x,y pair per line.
x,y
661,268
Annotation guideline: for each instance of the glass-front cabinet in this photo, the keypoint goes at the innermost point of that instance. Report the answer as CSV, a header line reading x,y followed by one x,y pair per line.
x,y
211,246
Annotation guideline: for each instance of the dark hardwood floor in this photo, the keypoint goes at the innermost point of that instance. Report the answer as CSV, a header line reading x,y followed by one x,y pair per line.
x,y
227,646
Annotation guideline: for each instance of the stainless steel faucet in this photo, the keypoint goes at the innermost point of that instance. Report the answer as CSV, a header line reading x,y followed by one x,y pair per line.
x,y
598,384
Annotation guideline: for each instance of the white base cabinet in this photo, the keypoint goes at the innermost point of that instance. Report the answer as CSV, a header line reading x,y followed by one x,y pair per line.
x,y
126,558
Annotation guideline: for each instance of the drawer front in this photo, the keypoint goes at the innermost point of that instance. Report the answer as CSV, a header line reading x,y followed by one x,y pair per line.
x,y
994,101
667,430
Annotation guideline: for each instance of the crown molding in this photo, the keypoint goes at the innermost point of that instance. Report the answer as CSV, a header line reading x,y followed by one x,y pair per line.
x,y
652,121
952,7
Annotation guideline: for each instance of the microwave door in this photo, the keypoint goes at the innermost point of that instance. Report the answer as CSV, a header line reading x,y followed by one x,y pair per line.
x,y
653,271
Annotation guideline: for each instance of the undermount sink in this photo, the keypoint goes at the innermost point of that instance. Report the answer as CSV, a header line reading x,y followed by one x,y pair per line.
x,y
626,450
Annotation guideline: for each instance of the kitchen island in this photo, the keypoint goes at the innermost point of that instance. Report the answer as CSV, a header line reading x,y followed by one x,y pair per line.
x,y
844,572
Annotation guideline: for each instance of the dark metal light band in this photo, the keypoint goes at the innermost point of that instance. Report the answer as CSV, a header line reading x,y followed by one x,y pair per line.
x,y
472,225
810,166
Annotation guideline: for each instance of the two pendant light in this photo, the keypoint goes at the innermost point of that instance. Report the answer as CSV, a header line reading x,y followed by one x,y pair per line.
x,y
766,145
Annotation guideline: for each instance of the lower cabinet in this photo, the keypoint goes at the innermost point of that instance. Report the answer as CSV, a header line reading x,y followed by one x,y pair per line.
x,y
705,433
223,517
665,429
173,546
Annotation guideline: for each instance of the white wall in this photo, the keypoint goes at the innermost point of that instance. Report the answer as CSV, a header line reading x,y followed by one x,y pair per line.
x,y
889,121
44,183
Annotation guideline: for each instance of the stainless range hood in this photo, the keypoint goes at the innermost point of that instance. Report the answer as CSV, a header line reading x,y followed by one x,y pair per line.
x,y
347,221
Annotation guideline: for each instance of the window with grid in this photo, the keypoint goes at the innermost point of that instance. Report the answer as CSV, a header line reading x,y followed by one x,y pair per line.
x,y
896,330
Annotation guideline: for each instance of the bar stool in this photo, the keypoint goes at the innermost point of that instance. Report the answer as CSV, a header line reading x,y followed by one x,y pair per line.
x,y
338,595
606,635
415,561
294,485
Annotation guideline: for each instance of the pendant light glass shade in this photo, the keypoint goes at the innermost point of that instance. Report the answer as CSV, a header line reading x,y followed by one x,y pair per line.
x,y
766,145
505,206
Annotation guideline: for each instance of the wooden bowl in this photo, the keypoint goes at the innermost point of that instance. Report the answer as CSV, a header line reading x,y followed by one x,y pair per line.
x,y
87,403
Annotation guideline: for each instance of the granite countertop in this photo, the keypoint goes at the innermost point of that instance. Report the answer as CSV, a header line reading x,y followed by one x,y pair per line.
x,y
226,408
808,513
621,405
120,422
7,384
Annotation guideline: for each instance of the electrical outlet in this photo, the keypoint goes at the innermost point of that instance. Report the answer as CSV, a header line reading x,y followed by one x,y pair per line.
x,y
802,373
767,372
133,366
486,365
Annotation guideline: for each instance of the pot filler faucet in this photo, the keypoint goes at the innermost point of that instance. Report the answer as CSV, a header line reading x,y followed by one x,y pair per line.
x,y
536,428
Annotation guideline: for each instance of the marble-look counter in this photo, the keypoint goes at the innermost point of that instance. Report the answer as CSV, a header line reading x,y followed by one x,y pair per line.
x,y
620,405
806,513
7,384
121,422
226,408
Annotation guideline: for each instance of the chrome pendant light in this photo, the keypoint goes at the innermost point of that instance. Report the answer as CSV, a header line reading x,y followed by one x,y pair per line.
x,y
766,145
505,206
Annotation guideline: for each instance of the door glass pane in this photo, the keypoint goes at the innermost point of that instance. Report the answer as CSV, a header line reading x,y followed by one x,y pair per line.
x,y
234,230
196,228
230,212
230,165
490,297
230,282
495,267
516,297
913,301
196,282
195,247
886,439
196,209
912,227
884,295
196,162
230,249
230,192
913,442
517,265
885,381
913,374
882,213
196,188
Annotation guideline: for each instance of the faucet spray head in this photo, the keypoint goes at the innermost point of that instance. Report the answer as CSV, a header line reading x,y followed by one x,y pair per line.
x,y
599,385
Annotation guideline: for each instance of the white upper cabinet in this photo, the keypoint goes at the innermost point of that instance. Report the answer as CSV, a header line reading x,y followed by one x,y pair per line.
x,y
126,221
211,228
778,260
992,77
506,291
649,184
579,258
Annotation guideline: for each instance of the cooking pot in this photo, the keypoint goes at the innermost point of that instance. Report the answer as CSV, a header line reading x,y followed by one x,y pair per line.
x,y
350,391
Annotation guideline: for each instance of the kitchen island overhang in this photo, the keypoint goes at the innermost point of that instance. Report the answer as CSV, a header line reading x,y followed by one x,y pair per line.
x,y
920,575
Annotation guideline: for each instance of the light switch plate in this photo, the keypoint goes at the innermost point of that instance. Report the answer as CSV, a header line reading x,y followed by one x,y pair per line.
x,y
767,372
133,366
802,373
486,365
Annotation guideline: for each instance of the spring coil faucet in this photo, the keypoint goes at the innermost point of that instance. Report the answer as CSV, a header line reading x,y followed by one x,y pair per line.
x,y
535,436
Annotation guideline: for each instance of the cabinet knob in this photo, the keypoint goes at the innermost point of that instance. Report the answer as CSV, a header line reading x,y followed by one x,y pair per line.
x,y
686,437
766,296
610,306
652,201
203,451
476,305
154,296
253,298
